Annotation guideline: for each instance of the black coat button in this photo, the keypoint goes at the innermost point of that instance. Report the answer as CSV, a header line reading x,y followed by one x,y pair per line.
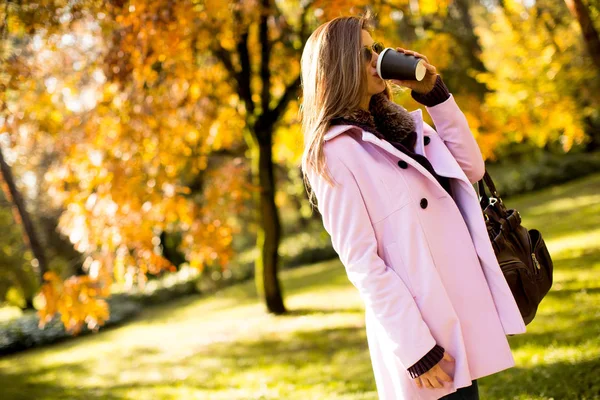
x,y
427,140
423,202
402,164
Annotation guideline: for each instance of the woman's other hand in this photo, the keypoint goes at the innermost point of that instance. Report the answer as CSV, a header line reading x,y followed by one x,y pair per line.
x,y
423,86
430,378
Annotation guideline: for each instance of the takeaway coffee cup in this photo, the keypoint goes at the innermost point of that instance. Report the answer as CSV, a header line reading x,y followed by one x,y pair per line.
x,y
393,64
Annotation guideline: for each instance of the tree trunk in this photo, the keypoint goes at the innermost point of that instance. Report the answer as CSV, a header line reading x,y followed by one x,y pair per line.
x,y
259,137
269,228
590,34
58,245
21,215
593,133
27,283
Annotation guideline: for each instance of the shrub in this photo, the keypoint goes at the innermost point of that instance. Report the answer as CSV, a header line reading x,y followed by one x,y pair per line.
x,y
23,332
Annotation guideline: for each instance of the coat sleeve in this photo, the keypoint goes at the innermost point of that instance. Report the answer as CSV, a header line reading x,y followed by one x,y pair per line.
x,y
451,125
384,294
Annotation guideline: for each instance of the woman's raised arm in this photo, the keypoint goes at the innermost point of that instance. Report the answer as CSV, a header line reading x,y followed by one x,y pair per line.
x,y
451,125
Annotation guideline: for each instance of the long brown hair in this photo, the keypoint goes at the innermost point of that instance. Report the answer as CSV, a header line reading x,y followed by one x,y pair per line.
x,y
333,84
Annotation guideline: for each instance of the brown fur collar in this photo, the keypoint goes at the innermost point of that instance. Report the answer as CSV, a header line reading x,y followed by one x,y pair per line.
x,y
385,119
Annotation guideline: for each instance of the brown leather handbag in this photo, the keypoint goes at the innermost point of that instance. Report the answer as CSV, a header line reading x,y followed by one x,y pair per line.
x,y
521,252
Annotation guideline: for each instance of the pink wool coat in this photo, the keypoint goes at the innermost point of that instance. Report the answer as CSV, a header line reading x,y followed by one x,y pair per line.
x,y
422,262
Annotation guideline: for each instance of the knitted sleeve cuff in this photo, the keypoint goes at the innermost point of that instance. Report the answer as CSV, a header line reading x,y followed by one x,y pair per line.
x,y
435,96
427,361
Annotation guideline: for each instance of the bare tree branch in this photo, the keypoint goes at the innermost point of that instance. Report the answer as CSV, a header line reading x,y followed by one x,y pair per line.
x,y
245,73
288,95
265,56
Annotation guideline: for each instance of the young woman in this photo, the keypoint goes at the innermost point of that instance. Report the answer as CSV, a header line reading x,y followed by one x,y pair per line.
x,y
397,198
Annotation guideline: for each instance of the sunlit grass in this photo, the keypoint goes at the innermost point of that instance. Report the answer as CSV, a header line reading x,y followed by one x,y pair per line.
x,y
227,347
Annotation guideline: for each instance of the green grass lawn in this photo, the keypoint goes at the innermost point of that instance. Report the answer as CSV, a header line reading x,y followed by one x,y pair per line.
x,y
227,347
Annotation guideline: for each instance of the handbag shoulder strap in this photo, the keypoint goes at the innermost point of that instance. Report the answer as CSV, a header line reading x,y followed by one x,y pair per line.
x,y
490,184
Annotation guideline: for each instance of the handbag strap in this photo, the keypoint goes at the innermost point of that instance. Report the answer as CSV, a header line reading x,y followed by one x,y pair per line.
x,y
487,179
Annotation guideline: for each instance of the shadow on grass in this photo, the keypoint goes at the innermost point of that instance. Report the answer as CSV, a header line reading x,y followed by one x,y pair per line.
x,y
561,380
34,383
333,358
582,261
319,311
567,294
586,330
585,186
566,221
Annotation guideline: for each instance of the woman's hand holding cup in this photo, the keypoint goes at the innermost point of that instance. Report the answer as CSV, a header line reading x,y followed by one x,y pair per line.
x,y
427,83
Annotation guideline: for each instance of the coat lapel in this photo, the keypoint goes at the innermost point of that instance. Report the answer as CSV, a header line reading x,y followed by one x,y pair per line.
x,y
441,162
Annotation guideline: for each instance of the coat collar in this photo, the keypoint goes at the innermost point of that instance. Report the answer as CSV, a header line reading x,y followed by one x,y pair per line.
x,y
417,116
444,167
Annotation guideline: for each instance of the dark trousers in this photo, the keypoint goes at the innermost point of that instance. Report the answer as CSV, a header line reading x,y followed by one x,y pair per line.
x,y
464,393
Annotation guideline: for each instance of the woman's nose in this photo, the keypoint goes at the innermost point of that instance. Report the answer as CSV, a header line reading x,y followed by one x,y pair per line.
x,y
374,59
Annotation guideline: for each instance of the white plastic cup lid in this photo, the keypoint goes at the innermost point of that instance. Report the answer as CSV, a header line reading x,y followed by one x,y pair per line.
x,y
420,71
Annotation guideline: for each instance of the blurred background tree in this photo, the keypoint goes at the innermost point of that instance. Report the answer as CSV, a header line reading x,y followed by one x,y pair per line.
x,y
144,136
